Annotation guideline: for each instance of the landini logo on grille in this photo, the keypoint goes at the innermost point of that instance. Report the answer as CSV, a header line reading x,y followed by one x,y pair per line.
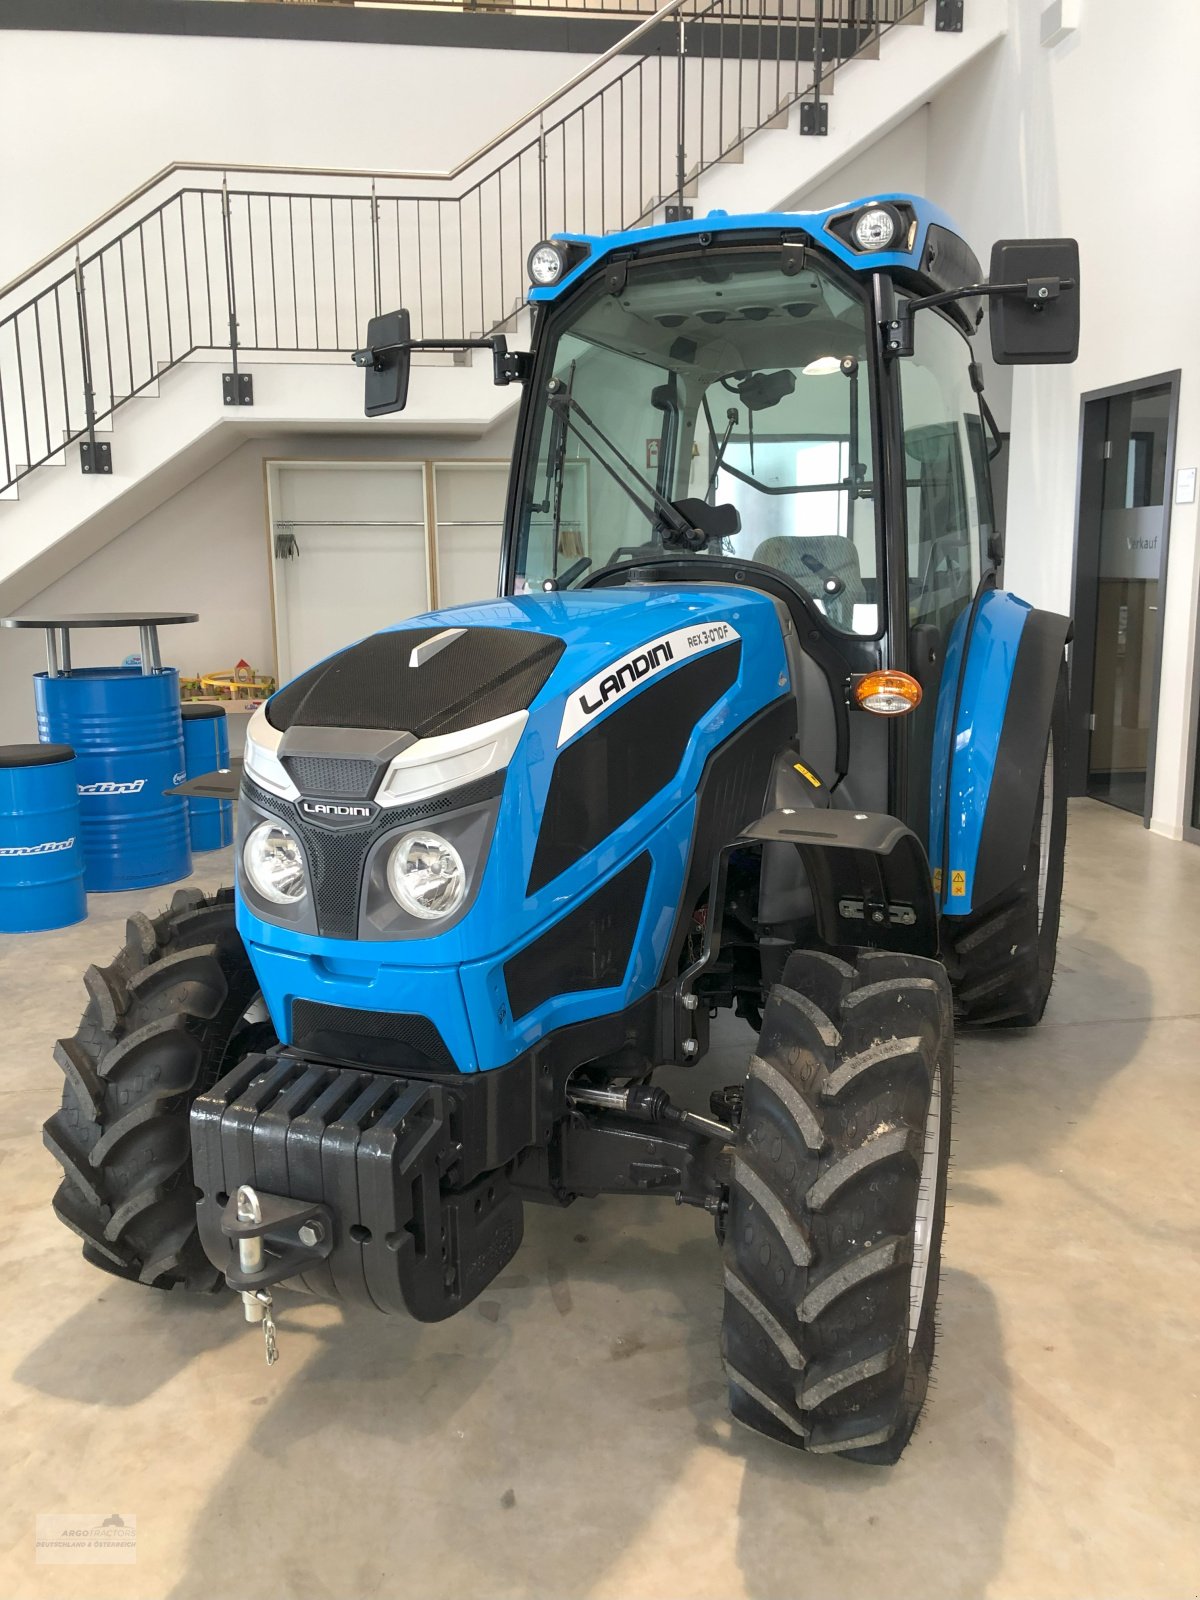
x,y
338,813
602,691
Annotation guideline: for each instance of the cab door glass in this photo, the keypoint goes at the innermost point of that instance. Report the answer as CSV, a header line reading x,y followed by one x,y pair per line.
x,y
947,492
948,524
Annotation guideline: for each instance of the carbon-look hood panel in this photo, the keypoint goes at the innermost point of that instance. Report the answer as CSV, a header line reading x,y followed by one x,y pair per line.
x,y
484,673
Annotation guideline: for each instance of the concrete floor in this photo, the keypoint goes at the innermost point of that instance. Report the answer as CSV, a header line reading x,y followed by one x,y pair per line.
x,y
567,1435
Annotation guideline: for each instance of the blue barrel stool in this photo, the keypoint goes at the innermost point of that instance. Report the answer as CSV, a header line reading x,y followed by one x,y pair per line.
x,y
206,749
125,728
41,851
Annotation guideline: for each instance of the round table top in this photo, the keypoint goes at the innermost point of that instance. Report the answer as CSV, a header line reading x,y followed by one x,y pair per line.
x,y
102,619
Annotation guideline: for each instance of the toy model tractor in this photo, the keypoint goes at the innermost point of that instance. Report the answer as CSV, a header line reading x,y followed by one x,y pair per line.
x,y
751,725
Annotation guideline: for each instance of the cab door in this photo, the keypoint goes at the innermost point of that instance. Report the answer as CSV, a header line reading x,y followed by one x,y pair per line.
x,y
949,537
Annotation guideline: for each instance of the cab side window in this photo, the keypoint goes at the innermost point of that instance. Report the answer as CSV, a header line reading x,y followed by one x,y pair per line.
x,y
948,497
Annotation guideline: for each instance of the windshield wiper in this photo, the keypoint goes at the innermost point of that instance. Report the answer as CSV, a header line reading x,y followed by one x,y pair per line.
x,y
564,405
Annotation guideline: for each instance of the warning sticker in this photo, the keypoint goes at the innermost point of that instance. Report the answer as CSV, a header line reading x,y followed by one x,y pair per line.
x,y
937,880
958,883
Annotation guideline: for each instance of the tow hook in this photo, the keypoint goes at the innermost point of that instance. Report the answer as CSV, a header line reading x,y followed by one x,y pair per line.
x,y
256,1303
276,1237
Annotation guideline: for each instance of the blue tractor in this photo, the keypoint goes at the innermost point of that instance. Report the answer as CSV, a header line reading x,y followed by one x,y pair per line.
x,y
751,725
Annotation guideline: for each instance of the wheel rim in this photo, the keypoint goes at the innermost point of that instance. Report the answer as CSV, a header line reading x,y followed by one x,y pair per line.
x,y
1047,827
927,1198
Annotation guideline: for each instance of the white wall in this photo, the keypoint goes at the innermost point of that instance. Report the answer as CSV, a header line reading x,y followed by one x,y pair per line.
x,y
899,162
1095,138
152,99
205,549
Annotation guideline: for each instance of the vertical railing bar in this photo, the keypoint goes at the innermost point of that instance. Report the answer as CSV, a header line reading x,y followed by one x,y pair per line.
x,y
681,109
462,271
350,199
291,200
661,180
721,86
207,264
253,270
312,242
501,252
162,241
542,176
62,354
337,320
376,267
141,233
440,274
89,399
274,269
37,328
125,307
29,461
420,262
8,471
622,217
230,285
112,391
399,255
187,279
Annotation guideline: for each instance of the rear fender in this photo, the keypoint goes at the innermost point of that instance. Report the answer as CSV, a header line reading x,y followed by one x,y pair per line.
x,y
989,746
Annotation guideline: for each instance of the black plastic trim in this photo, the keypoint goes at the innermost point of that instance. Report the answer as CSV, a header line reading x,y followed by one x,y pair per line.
x,y
1020,757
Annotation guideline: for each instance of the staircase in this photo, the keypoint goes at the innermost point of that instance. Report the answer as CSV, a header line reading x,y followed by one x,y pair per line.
x,y
200,310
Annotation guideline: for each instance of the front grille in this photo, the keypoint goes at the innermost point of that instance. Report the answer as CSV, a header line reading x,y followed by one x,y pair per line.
x,y
400,1041
337,856
336,776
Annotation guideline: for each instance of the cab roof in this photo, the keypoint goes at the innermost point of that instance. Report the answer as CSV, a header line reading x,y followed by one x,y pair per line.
x,y
934,257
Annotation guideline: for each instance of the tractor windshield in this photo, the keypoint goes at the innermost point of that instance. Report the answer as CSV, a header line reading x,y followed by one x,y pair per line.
x,y
713,404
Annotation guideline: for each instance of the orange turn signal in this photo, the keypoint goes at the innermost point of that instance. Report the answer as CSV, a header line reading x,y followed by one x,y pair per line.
x,y
887,694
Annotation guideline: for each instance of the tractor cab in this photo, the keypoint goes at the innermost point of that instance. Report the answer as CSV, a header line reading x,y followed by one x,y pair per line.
x,y
791,403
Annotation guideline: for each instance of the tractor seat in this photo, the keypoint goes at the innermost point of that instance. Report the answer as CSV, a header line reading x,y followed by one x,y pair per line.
x,y
812,562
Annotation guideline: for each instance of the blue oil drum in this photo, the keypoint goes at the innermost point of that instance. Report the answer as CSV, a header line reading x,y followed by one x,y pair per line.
x,y
206,749
41,850
127,734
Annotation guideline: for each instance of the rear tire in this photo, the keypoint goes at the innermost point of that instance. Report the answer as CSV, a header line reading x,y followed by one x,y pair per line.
x,y
1001,958
836,1204
164,1020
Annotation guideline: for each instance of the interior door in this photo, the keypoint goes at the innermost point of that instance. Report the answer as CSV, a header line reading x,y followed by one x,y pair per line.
x,y
349,543
1130,531
468,499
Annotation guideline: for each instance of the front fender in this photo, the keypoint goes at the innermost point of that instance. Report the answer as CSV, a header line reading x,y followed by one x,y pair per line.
x,y
989,746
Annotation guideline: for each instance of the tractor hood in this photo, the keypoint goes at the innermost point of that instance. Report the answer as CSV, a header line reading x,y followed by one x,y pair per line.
x,y
449,671
559,744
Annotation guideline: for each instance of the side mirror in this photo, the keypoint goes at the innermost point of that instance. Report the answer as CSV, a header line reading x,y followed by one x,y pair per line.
x,y
387,360
1039,320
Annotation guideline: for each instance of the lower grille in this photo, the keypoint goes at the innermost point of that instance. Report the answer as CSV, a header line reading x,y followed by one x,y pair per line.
x,y
399,1041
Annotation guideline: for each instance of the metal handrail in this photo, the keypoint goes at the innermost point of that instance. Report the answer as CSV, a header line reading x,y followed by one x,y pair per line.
x,y
413,175
272,270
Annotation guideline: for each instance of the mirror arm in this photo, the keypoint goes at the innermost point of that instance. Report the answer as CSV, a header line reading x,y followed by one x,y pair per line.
x,y
508,366
898,332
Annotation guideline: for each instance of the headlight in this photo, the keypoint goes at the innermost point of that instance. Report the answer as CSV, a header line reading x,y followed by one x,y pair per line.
x,y
546,264
876,228
274,864
426,875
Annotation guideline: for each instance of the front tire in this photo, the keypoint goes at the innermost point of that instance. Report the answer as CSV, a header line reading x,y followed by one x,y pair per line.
x,y
837,1199
172,1012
